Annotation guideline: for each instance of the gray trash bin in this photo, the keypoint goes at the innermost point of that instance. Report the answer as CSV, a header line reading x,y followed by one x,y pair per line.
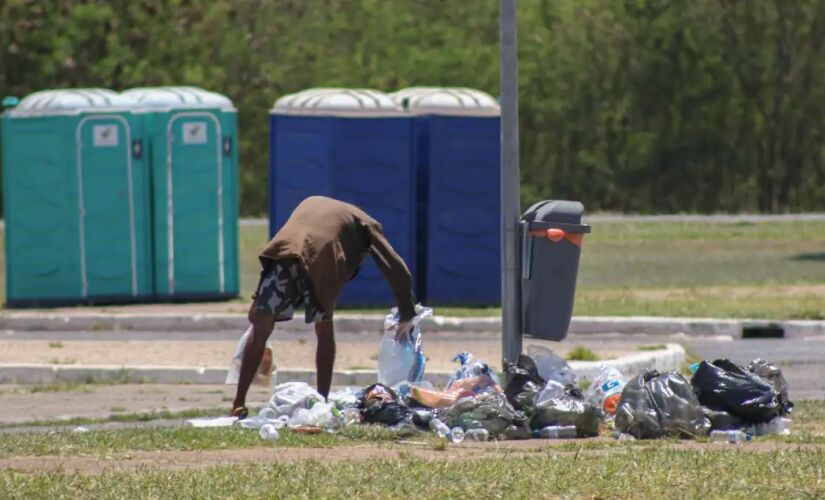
x,y
552,235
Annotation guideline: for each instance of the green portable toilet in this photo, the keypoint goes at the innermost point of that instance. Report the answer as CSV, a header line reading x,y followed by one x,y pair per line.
x,y
192,141
75,199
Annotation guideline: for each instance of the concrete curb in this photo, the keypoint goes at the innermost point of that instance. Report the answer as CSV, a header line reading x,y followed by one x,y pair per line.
x,y
670,358
356,323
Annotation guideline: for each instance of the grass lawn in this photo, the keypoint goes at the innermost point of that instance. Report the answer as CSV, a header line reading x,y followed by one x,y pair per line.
x,y
714,269
372,463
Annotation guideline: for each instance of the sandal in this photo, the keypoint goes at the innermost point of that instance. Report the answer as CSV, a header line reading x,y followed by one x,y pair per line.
x,y
241,412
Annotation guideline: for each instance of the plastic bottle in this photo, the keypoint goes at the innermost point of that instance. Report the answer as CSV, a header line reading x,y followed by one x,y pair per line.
x,y
440,428
351,416
557,432
729,436
622,436
479,435
457,435
269,432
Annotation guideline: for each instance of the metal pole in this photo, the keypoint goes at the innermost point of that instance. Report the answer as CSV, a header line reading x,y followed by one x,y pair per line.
x,y
510,197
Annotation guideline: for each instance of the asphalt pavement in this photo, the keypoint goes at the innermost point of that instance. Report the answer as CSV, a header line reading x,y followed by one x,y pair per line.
x,y
801,359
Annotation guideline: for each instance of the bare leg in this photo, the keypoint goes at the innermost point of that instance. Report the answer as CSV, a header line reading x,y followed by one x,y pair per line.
x,y
262,324
324,355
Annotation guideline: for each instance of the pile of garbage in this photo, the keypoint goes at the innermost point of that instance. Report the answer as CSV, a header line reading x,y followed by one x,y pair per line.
x,y
540,397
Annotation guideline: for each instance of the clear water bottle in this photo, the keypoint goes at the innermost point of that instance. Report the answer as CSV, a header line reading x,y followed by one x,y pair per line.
x,y
269,432
457,435
622,436
478,435
557,432
729,436
440,428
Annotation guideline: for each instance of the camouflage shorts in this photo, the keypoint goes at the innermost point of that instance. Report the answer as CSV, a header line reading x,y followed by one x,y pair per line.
x,y
283,289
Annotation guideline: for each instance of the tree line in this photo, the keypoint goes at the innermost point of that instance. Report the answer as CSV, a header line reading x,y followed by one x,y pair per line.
x,y
626,105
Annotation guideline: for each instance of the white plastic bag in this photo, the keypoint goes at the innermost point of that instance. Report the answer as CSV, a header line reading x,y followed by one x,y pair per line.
x,y
551,366
291,396
402,361
606,390
266,370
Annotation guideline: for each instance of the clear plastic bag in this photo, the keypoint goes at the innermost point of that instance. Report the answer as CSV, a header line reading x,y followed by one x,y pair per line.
x,y
552,390
606,390
346,397
551,366
472,376
267,372
565,410
323,415
489,411
402,361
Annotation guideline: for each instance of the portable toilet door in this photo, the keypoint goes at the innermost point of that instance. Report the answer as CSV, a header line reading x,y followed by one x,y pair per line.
x,y
457,134
75,200
354,145
193,138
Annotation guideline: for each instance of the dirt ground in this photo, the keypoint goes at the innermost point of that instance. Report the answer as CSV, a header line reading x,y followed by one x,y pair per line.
x,y
357,352
177,460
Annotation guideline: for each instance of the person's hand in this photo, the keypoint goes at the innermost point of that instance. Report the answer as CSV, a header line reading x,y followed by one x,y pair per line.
x,y
403,331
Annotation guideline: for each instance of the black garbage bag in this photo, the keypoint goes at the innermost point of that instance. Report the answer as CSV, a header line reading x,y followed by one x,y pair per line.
x,y
380,405
723,385
421,417
657,404
773,374
488,410
721,420
523,383
567,410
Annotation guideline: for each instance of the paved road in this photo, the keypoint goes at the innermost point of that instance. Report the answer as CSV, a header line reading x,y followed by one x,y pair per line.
x,y
802,360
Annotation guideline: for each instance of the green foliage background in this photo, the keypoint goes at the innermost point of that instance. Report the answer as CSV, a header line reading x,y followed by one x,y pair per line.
x,y
630,105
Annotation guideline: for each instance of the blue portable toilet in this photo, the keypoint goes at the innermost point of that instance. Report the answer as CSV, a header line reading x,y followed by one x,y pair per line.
x,y
356,146
457,136
76,200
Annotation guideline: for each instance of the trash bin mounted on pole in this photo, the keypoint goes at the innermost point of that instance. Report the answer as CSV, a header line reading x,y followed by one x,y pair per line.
x,y
354,145
458,156
192,144
551,243
75,193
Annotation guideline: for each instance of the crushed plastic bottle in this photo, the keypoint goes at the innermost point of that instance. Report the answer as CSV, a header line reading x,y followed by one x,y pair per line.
x,y
440,428
557,432
729,436
478,435
622,436
269,432
457,435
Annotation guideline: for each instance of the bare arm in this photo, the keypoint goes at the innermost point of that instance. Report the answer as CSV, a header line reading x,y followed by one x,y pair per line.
x,y
395,271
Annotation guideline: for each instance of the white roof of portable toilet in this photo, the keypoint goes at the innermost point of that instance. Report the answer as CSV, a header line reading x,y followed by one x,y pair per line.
x,y
337,102
168,98
446,101
70,102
